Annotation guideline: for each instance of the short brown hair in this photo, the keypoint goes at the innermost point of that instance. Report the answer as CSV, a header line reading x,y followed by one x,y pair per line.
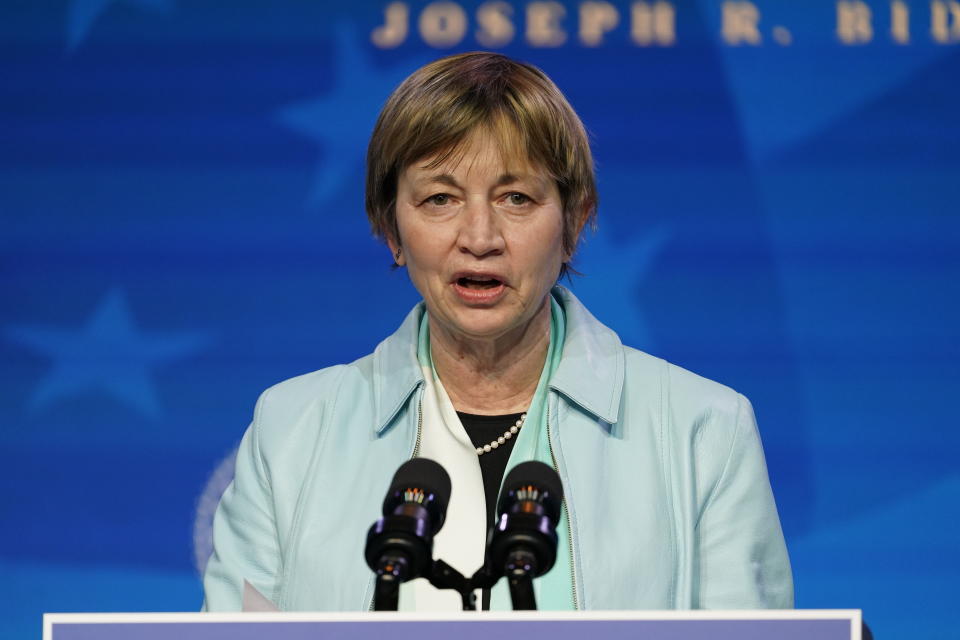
x,y
437,107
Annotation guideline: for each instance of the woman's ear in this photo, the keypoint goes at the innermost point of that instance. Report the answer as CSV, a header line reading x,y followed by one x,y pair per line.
x,y
580,223
396,250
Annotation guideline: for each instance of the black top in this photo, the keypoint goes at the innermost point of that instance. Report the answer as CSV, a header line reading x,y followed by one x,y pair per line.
x,y
482,430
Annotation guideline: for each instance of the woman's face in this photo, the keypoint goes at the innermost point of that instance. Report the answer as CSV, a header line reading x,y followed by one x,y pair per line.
x,y
482,242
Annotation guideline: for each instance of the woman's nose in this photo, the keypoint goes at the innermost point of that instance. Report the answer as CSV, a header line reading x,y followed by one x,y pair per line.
x,y
480,232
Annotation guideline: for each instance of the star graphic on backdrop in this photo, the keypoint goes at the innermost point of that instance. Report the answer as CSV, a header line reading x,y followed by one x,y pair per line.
x,y
108,354
341,120
606,265
82,14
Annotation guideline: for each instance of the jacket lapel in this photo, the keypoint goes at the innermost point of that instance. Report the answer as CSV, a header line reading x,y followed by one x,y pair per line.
x,y
396,373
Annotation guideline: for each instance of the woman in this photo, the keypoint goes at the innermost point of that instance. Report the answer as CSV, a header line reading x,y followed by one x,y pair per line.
x,y
480,180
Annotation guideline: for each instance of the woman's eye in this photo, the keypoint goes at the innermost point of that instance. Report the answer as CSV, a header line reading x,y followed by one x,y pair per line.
x,y
517,198
439,199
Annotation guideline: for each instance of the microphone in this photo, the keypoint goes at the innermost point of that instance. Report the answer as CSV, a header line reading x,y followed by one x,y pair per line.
x,y
400,544
523,542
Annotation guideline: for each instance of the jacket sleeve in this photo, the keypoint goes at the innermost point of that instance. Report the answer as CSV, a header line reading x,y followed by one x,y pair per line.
x,y
245,542
742,557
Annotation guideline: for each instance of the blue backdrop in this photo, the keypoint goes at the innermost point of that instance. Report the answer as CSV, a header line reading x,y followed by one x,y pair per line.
x,y
182,226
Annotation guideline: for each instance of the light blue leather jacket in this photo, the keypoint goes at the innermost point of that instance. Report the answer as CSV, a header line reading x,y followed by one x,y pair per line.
x,y
666,486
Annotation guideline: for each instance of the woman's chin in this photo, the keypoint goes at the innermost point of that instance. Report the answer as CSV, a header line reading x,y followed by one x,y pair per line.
x,y
472,327
483,323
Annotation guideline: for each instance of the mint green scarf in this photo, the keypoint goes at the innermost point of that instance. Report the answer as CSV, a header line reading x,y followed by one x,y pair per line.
x,y
554,591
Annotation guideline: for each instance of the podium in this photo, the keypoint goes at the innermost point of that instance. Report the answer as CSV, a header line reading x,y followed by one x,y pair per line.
x,y
830,624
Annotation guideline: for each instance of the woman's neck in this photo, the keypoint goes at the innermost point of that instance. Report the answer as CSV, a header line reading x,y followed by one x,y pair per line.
x,y
495,376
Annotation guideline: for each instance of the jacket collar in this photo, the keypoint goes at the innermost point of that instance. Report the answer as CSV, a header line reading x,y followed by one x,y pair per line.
x,y
591,367
590,372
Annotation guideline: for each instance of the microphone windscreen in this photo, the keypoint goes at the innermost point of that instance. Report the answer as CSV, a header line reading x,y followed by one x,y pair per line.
x,y
538,475
424,474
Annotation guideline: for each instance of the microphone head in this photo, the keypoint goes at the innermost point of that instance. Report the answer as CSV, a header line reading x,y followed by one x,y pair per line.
x,y
533,481
422,481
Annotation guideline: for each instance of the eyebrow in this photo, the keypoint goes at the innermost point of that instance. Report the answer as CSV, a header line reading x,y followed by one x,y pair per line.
x,y
450,181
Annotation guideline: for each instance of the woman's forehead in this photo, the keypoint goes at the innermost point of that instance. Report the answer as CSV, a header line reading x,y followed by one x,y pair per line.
x,y
483,150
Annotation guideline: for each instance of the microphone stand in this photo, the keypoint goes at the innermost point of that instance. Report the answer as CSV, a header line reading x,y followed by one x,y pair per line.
x,y
521,567
443,576
392,570
520,571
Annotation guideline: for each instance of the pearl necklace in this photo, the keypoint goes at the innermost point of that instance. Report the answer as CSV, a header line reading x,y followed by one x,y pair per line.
x,y
509,433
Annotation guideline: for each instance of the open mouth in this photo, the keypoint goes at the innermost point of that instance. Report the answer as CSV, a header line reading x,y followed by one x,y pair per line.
x,y
479,283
